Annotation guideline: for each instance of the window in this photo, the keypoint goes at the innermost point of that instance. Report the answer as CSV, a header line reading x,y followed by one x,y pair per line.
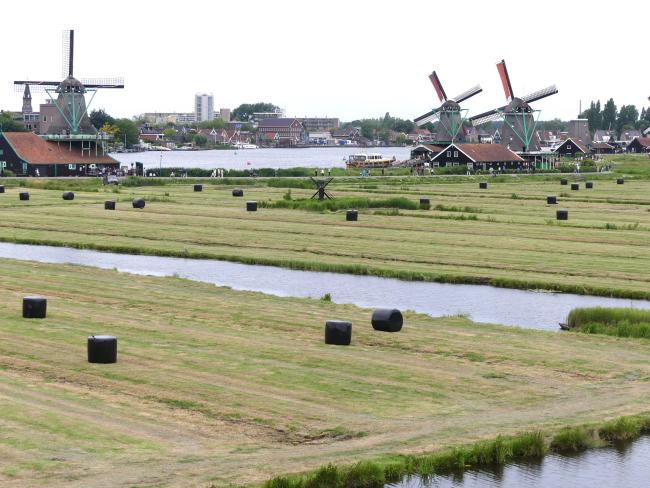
x,y
448,154
455,154
568,146
72,166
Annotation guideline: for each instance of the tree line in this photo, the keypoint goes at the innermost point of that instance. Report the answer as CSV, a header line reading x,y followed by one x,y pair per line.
x,y
609,117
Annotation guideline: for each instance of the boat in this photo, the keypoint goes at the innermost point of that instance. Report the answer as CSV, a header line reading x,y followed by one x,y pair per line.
x,y
242,145
369,161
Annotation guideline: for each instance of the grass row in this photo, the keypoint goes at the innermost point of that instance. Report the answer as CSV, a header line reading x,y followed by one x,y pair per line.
x,y
497,452
341,203
619,322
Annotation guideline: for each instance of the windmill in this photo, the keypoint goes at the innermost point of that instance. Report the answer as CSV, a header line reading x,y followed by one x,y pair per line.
x,y
519,119
69,95
449,115
320,189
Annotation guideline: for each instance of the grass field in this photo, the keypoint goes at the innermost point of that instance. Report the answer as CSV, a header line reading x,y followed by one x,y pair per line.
x,y
217,386
506,235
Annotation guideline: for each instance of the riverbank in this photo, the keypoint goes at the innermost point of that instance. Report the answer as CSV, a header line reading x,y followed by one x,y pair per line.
x,y
219,386
505,236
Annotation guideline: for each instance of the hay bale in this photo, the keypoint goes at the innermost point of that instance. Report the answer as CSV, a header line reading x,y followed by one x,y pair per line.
x,y
138,203
251,206
198,187
351,215
562,214
34,307
2,188
551,199
238,192
575,186
564,182
68,195
620,181
482,185
425,204
387,320
102,349
109,205
23,195
338,332
589,185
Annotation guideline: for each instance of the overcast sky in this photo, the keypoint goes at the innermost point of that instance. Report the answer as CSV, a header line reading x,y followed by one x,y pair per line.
x,y
336,58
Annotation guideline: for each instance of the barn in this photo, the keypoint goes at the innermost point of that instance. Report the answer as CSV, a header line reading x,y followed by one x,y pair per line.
x,y
573,148
639,145
479,157
601,148
26,154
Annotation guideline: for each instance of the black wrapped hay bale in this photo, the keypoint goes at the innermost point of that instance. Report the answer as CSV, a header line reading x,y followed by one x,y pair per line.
x,y
589,185
551,199
482,185
575,186
102,349
2,188
251,206
138,203
620,181
351,215
562,214
109,205
425,204
68,195
238,192
338,332
23,195
564,181
387,320
34,307
198,187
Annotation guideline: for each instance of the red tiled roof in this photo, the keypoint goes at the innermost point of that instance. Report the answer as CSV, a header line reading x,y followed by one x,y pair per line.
x,y
486,153
601,145
34,150
644,141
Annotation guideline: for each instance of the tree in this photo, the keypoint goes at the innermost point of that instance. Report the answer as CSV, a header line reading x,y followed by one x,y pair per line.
x,y
609,115
246,110
126,130
594,116
627,117
99,118
200,140
8,124
212,124
169,133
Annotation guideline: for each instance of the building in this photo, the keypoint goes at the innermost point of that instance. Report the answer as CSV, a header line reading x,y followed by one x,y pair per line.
x,y
259,116
319,124
321,138
425,152
285,131
351,135
479,157
601,135
151,134
639,145
573,148
161,118
26,154
601,148
579,130
224,114
628,136
203,107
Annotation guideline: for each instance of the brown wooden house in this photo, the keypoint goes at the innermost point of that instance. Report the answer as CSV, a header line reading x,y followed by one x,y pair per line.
x,y
478,156
639,145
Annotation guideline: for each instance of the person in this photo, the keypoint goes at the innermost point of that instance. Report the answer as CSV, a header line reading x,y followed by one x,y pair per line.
x,y
315,172
172,174
322,172
382,171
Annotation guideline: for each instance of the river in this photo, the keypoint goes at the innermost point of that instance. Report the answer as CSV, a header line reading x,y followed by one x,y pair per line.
x,y
481,303
317,157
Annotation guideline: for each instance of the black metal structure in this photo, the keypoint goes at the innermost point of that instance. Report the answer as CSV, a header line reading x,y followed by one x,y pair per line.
x,y
320,189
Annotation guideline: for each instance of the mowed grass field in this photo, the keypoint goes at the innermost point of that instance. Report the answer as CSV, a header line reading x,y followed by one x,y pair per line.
x,y
216,387
506,235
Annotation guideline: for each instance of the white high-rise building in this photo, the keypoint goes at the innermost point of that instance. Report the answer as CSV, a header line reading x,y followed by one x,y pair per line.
x,y
204,107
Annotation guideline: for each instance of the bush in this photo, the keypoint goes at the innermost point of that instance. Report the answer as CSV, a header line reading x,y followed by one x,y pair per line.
x,y
572,440
619,322
343,203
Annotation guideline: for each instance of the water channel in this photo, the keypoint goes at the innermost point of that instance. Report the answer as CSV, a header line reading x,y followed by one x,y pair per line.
x,y
624,466
529,309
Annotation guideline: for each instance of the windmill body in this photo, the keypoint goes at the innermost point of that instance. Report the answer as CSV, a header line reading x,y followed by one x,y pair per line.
x,y
450,116
519,118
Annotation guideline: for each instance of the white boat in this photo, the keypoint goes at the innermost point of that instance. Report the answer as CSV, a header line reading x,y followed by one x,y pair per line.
x,y
368,161
242,145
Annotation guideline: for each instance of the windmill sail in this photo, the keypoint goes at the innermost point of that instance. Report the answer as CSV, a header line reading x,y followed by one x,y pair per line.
x,y
505,80
435,81
475,90
538,95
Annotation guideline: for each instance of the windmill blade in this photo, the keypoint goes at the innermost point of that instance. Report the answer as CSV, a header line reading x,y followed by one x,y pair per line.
x,y
505,80
488,116
35,86
426,118
538,95
435,81
116,82
475,90
67,54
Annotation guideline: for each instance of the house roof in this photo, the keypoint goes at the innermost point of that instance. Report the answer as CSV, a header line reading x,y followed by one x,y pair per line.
x,y
579,144
272,123
644,141
34,150
485,153
601,145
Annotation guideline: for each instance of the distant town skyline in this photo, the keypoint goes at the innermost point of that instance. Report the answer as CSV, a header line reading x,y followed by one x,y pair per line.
x,y
345,59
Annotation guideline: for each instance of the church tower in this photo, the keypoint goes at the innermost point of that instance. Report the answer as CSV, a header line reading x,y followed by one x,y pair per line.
x,y
27,101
